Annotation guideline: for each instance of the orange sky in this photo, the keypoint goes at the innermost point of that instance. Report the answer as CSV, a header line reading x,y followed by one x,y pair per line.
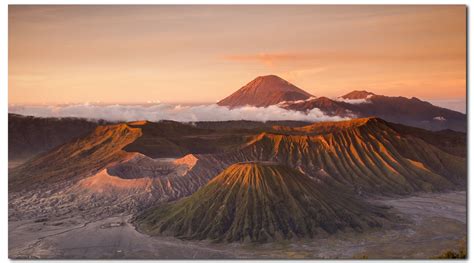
x,y
134,54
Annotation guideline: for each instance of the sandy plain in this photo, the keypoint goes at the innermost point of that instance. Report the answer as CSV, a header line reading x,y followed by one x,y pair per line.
x,y
431,223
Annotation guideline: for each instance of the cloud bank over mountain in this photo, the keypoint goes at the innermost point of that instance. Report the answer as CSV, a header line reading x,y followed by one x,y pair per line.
x,y
156,112
353,101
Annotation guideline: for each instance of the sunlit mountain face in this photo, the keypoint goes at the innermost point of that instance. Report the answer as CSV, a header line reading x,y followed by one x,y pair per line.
x,y
237,132
268,98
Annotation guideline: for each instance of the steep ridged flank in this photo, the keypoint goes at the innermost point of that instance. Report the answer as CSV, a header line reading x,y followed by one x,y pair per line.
x,y
97,169
76,159
113,145
363,154
369,156
261,201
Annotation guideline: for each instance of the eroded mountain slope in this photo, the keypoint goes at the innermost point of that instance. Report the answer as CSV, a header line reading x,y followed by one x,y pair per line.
x,y
363,156
261,201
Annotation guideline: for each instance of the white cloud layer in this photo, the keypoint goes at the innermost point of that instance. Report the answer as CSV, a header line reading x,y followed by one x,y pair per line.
x,y
286,103
355,101
155,112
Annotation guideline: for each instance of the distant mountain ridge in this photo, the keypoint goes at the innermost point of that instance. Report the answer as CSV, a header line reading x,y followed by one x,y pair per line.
x,y
358,94
29,136
272,90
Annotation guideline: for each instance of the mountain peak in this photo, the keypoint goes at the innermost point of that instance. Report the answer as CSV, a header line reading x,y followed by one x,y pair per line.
x,y
269,77
358,94
273,83
252,191
264,91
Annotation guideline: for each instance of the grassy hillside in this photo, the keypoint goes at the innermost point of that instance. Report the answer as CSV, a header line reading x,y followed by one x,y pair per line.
x,y
261,202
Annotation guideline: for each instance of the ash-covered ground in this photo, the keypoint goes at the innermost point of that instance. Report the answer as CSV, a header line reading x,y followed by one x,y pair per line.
x,y
431,223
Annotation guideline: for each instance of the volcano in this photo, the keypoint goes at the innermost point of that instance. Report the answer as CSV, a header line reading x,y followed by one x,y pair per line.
x,y
369,154
271,90
146,163
265,91
259,202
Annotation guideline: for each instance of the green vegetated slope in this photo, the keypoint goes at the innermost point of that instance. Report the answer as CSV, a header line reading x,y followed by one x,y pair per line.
x,y
261,202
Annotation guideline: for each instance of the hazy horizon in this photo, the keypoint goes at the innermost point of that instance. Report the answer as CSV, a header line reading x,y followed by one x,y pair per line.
x,y
457,104
186,112
201,54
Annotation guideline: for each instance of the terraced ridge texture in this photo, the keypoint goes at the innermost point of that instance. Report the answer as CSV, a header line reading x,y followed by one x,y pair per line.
x,y
367,155
261,201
